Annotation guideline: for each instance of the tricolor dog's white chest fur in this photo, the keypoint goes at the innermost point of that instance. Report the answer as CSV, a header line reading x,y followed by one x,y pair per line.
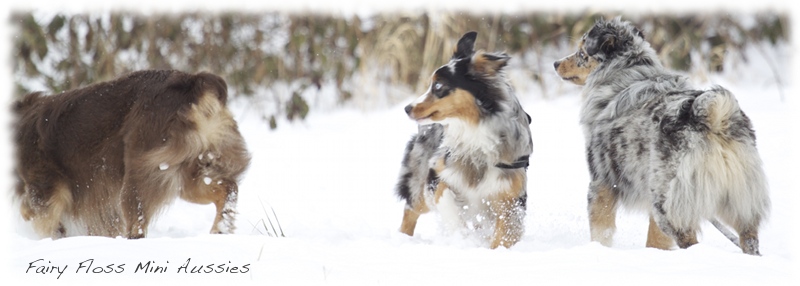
x,y
470,146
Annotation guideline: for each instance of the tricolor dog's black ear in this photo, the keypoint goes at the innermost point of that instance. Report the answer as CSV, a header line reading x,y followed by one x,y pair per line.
x,y
466,45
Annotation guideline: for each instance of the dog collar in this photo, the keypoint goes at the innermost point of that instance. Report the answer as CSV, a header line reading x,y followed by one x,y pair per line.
x,y
521,162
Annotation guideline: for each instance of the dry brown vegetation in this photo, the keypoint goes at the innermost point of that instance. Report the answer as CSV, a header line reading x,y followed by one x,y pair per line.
x,y
256,51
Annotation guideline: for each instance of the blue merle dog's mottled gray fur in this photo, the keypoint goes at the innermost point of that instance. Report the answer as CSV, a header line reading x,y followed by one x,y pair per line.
x,y
658,144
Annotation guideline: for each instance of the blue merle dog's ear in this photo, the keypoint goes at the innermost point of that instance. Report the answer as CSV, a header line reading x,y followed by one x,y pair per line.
x,y
601,39
638,33
466,45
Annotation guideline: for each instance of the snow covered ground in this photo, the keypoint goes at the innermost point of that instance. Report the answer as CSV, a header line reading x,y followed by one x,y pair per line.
x,y
330,180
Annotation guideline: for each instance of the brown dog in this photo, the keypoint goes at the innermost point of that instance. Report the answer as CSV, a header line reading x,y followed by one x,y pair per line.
x,y
110,156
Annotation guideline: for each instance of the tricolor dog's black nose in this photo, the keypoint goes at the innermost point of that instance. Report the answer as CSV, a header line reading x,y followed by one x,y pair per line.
x,y
556,64
408,109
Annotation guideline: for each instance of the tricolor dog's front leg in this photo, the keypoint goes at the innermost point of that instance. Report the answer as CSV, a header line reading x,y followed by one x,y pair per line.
x,y
509,211
448,204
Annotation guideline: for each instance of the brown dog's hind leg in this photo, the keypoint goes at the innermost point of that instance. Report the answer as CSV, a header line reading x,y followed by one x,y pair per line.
x,y
133,214
45,205
144,192
223,194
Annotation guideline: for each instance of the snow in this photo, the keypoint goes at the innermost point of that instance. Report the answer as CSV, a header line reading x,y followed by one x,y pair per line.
x,y
330,181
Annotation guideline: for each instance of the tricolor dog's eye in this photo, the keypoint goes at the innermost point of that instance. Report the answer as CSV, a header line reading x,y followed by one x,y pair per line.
x,y
581,54
439,89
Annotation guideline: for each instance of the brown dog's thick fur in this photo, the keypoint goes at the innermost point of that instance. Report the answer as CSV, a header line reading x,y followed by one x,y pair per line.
x,y
110,156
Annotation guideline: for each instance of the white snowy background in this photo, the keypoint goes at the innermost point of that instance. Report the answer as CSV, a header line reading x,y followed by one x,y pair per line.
x,y
330,180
